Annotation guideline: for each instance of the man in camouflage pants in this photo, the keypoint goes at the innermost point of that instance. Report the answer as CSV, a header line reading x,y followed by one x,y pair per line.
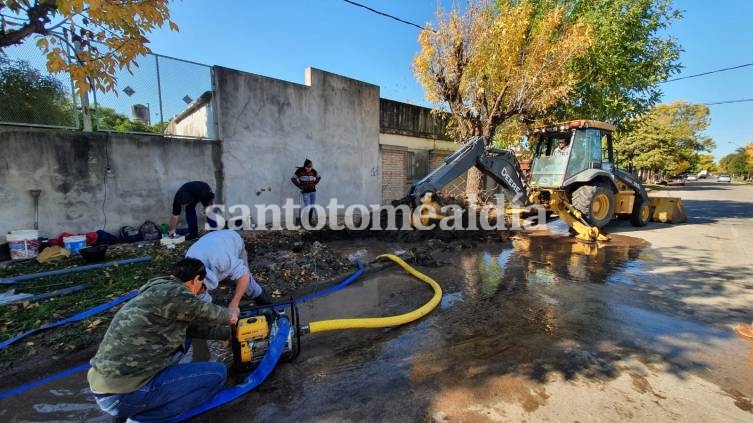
x,y
134,374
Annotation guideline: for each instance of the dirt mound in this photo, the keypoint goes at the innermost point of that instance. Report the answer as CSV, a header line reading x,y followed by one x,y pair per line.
x,y
287,269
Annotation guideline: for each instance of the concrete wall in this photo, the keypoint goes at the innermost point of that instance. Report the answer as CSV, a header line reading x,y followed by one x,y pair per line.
x,y
367,150
416,143
78,192
196,121
197,124
411,120
268,127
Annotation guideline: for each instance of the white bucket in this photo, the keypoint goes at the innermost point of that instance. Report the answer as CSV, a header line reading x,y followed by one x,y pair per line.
x,y
23,244
74,243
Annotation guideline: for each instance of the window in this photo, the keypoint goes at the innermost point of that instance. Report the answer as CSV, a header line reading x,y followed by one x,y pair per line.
x,y
550,158
586,151
606,158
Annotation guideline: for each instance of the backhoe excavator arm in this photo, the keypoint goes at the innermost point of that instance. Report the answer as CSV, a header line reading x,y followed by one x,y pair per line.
x,y
500,165
503,167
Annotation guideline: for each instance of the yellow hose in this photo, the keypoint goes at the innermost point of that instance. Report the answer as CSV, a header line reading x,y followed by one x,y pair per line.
x,y
384,322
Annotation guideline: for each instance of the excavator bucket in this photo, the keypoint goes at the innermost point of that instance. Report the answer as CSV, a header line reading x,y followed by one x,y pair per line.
x,y
667,210
429,212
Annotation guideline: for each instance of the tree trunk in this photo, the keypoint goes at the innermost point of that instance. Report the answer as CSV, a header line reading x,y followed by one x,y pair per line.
x,y
473,183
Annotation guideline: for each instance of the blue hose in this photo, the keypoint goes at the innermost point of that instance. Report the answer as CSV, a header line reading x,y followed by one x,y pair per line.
x,y
26,387
30,276
103,307
266,366
75,318
332,289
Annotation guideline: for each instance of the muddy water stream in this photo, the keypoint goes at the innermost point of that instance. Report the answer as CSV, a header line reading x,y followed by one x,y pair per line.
x,y
513,314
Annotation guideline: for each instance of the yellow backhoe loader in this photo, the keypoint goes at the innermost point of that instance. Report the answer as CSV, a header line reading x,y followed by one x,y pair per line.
x,y
572,175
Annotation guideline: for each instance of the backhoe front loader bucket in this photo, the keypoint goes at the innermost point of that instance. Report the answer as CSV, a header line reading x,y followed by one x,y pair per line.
x,y
575,220
667,210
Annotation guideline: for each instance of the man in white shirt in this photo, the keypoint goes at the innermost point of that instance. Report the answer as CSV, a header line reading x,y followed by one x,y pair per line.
x,y
563,148
224,256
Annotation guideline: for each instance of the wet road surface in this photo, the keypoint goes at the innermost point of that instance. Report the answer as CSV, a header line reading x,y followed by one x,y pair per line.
x,y
538,327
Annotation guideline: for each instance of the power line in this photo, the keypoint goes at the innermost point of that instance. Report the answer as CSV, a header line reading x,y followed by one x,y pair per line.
x,y
709,72
741,100
423,28
384,14
669,80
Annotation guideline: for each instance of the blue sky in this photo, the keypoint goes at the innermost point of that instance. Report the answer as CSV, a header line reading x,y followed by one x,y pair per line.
x,y
281,38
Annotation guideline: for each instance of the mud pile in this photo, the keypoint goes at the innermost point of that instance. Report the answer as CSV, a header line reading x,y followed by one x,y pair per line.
x,y
285,270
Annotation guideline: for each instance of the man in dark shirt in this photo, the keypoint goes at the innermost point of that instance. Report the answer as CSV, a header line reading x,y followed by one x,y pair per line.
x,y
190,194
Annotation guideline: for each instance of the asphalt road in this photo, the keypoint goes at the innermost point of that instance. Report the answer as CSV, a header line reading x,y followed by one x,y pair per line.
x,y
718,238
709,259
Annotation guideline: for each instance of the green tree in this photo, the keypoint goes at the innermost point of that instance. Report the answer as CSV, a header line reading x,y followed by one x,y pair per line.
x,y
736,164
29,96
666,140
109,119
631,54
704,161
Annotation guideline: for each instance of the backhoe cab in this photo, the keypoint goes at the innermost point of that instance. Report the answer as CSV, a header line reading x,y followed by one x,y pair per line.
x,y
572,175
573,167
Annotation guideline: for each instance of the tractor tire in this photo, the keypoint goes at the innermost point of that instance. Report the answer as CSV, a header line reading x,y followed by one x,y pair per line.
x,y
596,202
641,212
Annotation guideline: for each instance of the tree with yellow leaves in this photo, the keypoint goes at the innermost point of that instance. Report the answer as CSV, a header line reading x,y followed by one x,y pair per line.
x,y
666,141
491,66
90,39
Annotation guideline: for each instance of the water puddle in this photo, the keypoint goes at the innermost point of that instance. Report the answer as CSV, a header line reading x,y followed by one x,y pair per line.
x,y
63,400
449,300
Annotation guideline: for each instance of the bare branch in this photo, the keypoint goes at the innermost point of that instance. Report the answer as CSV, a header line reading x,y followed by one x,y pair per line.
x,y
57,25
37,20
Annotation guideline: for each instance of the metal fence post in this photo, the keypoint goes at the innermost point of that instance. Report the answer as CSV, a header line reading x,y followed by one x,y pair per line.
x,y
74,108
85,112
96,109
159,91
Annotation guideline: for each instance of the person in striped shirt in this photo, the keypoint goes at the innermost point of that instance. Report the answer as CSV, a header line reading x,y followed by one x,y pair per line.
x,y
306,178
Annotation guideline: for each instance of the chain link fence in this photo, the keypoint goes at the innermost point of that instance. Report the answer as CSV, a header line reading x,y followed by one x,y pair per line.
x,y
163,95
30,95
159,97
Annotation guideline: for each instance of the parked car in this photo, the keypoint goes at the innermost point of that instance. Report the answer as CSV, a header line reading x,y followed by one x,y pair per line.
x,y
691,178
724,178
676,181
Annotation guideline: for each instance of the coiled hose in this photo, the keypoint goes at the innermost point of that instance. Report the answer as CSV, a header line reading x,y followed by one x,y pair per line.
x,y
389,321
